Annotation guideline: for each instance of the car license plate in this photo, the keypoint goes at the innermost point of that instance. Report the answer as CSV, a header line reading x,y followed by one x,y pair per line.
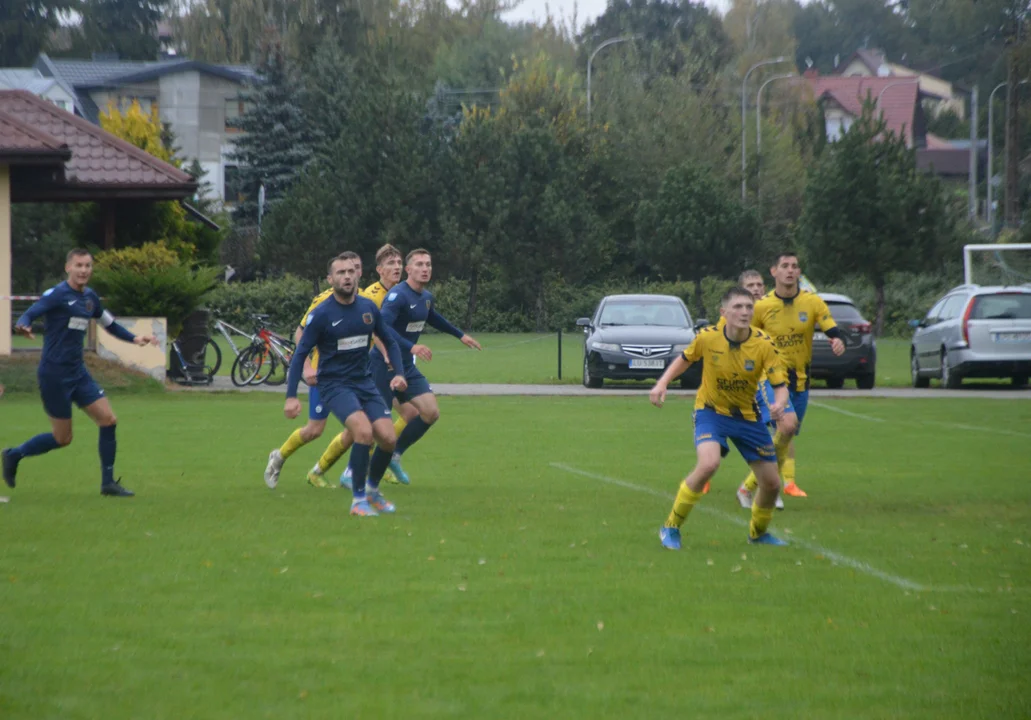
x,y
639,364
1013,337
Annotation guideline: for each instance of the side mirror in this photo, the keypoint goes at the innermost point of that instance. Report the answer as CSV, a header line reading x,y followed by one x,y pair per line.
x,y
583,322
917,324
700,323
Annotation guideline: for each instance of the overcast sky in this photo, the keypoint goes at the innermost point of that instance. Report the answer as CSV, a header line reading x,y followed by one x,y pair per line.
x,y
587,10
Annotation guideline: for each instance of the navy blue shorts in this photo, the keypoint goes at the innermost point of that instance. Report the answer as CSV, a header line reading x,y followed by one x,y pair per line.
x,y
59,391
417,382
317,410
343,400
751,437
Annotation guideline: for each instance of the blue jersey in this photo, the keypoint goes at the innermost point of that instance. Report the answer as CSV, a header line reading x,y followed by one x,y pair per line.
x,y
408,312
66,314
341,333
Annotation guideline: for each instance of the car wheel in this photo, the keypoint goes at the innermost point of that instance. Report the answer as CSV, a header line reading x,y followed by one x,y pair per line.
x,y
835,383
866,382
950,378
591,381
914,370
1019,380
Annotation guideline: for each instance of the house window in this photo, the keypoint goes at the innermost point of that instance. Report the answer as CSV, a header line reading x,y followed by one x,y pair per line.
x,y
232,189
838,126
235,108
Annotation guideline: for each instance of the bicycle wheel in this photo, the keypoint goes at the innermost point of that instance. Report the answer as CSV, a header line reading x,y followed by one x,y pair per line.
x,y
265,364
279,371
206,358
246,366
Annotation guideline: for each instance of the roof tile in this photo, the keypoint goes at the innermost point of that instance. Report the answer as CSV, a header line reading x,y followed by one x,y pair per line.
x,y
897,97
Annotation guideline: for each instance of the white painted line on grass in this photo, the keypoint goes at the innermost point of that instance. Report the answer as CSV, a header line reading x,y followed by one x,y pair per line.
x,y
975,428
871,418
838,558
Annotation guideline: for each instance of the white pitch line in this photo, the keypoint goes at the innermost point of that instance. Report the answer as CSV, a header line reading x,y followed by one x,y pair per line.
x,y
976,428
838,558
871,418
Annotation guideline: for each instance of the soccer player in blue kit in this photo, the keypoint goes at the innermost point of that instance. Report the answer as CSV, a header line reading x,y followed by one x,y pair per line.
x,y
341,327
63,378
409,308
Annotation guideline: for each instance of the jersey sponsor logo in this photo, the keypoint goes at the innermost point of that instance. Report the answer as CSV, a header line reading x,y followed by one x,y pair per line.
x,y
791,340
415,327
77,323
749,366
355,342
367,318
803,317
729,385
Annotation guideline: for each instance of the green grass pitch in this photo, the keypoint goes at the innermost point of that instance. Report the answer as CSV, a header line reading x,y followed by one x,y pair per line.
x,y
522,576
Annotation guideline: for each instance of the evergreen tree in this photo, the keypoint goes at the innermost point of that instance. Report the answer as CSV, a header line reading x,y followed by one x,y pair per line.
x,y
275,143
127,28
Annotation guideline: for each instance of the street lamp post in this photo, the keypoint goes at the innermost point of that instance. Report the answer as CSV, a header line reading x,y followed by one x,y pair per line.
x,y
744,89
759,123
610,41
989,211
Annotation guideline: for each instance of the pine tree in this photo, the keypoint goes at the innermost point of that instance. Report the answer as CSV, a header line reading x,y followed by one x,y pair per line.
x,y
275,142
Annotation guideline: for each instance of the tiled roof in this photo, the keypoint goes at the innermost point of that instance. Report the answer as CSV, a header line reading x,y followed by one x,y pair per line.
x,y
898,97
99,158
19,137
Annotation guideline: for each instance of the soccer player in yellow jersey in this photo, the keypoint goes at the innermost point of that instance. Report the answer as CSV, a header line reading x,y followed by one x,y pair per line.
x,y
790,315
317,411
734,360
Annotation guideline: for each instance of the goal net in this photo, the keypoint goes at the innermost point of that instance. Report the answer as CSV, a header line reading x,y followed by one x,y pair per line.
x,y
1002,264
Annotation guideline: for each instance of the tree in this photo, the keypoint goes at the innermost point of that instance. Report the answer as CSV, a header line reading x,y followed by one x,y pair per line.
x,y
25,26
694,228
869,212
39,241
275,143
127,28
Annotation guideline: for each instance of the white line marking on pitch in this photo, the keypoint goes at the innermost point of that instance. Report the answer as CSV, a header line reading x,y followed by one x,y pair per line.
x,y
871,418
840,559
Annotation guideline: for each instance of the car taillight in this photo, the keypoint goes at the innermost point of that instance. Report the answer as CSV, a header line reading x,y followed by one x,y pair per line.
x,y
861,328
966,320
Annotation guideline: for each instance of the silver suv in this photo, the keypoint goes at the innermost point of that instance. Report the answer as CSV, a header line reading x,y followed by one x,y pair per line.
x,y
974,332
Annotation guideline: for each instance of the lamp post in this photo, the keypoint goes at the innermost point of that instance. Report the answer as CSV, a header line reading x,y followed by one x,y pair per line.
x,y
744,89
989,211
610,41
759,121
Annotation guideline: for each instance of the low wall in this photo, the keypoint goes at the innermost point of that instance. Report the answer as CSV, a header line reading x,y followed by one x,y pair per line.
x,y
148,359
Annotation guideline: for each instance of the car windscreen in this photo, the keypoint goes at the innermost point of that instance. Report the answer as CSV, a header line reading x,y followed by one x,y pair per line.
x,y
1002,306
844,312
643,313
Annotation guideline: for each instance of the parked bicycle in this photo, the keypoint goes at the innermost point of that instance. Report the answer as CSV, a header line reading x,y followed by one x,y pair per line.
x,y
266,360
200,361
229,332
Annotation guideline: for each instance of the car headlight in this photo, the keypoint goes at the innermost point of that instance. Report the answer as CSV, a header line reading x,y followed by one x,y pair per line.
x,y
679,349
605,347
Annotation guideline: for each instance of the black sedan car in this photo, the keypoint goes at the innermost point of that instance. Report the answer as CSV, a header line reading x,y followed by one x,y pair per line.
x,y
860,358
636,337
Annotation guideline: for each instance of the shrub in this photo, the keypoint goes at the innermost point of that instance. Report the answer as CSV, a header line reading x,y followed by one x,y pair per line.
x,y
284,300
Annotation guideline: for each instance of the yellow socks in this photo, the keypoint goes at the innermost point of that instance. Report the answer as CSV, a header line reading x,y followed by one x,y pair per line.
x,y
780,443
787,471
399,425
292,444
751,482
760,521
682,506
333,452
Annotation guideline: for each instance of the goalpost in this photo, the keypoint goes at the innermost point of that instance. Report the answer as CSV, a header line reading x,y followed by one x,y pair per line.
x,y
997,264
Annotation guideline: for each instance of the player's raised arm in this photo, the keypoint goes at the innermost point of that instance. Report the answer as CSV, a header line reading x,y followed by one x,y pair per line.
x,y
107,321
678,367
439,322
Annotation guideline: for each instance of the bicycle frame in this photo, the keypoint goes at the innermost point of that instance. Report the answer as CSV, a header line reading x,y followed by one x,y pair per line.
x,y
225,328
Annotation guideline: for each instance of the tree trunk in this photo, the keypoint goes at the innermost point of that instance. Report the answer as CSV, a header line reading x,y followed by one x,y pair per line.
x,y
698,303
474,286
879,320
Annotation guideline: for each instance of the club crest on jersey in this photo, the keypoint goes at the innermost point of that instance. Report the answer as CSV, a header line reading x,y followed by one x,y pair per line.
x,y
427,304
803,317
89,305
749,366
367,318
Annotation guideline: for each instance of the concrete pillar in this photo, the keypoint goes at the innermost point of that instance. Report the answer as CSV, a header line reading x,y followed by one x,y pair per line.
x,y
5,261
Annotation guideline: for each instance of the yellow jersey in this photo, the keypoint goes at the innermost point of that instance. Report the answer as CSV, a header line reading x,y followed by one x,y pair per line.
x,y
315,302
375,292
731,371
791,323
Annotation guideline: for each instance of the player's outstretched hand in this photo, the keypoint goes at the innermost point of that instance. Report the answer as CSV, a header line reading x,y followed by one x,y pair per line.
x,y
471,342
658,395
292,408
399,383
142,340
24,330
837,347
422,352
